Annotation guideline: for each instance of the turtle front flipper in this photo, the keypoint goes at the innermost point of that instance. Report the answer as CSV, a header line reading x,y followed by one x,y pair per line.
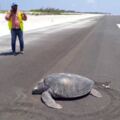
x,y
49,101
95,93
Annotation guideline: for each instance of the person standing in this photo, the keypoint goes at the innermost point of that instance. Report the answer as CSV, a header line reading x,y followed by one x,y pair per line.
x,y
15,23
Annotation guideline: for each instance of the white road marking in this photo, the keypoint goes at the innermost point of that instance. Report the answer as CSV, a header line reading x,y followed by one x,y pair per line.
x,y
118,25
36,88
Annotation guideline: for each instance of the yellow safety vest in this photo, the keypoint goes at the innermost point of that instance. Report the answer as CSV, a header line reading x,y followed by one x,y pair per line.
x,y
20,20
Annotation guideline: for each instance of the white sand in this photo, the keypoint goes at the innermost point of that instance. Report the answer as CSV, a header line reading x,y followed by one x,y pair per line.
x,y
36,22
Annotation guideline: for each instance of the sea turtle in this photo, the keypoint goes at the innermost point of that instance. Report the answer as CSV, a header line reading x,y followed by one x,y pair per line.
x,y
64,85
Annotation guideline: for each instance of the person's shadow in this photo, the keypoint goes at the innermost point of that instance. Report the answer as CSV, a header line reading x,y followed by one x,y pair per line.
x,y
9,53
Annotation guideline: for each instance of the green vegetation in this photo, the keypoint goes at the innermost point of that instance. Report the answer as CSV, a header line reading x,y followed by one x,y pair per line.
x,y
2,11
95,13
50,11
53,11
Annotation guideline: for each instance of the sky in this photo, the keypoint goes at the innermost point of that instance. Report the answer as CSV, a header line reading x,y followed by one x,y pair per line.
x,y
107,6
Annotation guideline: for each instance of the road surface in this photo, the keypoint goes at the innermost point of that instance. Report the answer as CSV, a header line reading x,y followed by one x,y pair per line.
x,y
92,51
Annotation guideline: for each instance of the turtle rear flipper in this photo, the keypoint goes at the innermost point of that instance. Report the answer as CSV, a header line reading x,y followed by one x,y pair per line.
x,y
49,101
95,93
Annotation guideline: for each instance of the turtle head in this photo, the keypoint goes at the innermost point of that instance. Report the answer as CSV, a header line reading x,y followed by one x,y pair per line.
x,y
39,88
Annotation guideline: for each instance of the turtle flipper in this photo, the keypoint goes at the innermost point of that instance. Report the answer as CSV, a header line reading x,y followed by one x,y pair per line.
x,y
49,101
95,93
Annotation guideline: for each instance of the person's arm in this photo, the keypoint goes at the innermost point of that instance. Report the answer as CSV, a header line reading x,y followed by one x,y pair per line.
x,y
24,16
8,16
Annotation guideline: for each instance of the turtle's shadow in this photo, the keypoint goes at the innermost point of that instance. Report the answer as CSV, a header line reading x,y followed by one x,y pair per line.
x,y
65,99
70,99
9,53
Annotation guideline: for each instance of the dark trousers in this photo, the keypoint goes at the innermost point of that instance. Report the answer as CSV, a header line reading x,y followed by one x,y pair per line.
x,y
14,34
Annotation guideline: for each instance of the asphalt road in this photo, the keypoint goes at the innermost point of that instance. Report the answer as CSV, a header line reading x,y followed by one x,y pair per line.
x,y
92,51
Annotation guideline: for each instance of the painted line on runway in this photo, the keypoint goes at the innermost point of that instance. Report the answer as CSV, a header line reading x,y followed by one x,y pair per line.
x,y
118,25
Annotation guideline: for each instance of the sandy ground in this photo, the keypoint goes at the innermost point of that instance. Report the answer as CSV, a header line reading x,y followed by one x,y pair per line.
x,y
36,22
